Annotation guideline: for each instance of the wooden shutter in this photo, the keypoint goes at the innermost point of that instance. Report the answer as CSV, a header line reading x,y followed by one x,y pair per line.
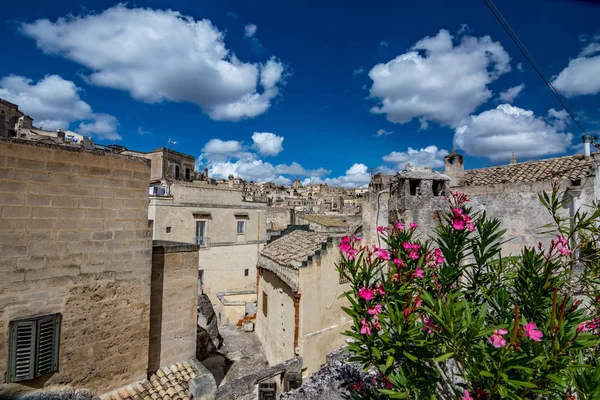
x,y
47,344
21,352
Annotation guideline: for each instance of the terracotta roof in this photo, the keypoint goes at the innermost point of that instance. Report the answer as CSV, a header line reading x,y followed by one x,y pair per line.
x,y
322,220
570,167
295,247
168,383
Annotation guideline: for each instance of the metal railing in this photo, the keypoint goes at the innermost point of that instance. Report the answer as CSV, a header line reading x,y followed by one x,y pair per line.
x,y
201,241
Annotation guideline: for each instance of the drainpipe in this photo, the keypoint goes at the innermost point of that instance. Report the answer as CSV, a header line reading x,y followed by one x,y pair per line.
x,y
296,322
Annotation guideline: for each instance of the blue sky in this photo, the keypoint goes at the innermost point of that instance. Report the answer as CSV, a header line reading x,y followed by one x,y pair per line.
x,y
323,91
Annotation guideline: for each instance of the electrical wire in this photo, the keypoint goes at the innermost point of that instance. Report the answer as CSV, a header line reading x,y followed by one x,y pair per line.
x,y
515,38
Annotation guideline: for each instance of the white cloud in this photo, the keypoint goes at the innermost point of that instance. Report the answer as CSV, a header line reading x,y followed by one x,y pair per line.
x,y
267,143
250,30
437,80
499,132
162,55
142,132
510,94
223,158
356,176
104,127
520,67
429,156
581,76
357,71
383,43
558,119
54,103
383,132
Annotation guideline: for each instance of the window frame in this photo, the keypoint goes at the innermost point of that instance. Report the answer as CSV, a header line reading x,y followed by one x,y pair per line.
x,y
265,304
237,229
39,364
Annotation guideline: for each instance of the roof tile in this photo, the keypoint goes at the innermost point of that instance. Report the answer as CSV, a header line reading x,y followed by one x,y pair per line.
x,y
295,247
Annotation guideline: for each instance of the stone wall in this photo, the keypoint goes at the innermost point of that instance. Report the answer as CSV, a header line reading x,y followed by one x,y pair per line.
x,y
173,310
280,216
74,240
275,330
322,320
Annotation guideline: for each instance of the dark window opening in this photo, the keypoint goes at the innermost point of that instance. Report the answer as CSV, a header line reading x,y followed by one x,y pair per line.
x,y
267,391
293,380
575,182
33,347
201,276
168,229
265,299
177,171
451,160
246,272
438,188
414,185
187,174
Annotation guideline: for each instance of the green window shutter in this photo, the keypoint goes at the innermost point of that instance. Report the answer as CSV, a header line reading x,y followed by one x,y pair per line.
x,y
48,332
21,353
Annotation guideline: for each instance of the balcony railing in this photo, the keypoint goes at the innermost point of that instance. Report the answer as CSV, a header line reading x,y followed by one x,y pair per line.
x,y
201,241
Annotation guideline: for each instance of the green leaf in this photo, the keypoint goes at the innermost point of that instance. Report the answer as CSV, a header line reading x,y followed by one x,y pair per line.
x,y
487,374
409,356
443,357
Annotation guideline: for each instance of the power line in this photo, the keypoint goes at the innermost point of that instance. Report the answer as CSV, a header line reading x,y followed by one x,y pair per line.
x,y
531,60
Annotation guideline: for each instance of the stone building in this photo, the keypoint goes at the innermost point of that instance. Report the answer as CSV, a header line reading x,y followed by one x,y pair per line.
x,y
322,223
230,232
171,165
507,192
299,310
86,301
11,119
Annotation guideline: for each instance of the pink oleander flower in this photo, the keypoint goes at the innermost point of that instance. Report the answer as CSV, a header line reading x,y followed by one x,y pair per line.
x,y
381,229
413,226
375,310
376,325
415,246
532,333
439,259
457,211
428,325
562,240
396,278
470,226
399,262
466,396
366,294
497,340
407,246
458,224
345,247
380,290
345,239
419,303
352,254
399,226
565,251
383,254
365,329
582,327
413,254
419,273
356,238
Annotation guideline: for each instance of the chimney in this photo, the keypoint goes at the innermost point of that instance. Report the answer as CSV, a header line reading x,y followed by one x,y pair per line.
x,y
513,159
455,168
587,140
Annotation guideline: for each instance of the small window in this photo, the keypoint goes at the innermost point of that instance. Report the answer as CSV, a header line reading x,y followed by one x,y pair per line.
x,y
438,188
168,229
414,185
265,300
240,227
267,391
246,272
177,171
187,174
201,276
33,347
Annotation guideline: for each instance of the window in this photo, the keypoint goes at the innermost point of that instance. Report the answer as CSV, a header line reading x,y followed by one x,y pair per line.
x,y
240,227
267,391
33,347
177,171
187,174
168,229
246,272
265,299
438,188
201,276
414,185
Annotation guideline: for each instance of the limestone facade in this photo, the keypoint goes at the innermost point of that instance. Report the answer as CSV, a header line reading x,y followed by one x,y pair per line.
x,y
298,309
230,232
74,240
